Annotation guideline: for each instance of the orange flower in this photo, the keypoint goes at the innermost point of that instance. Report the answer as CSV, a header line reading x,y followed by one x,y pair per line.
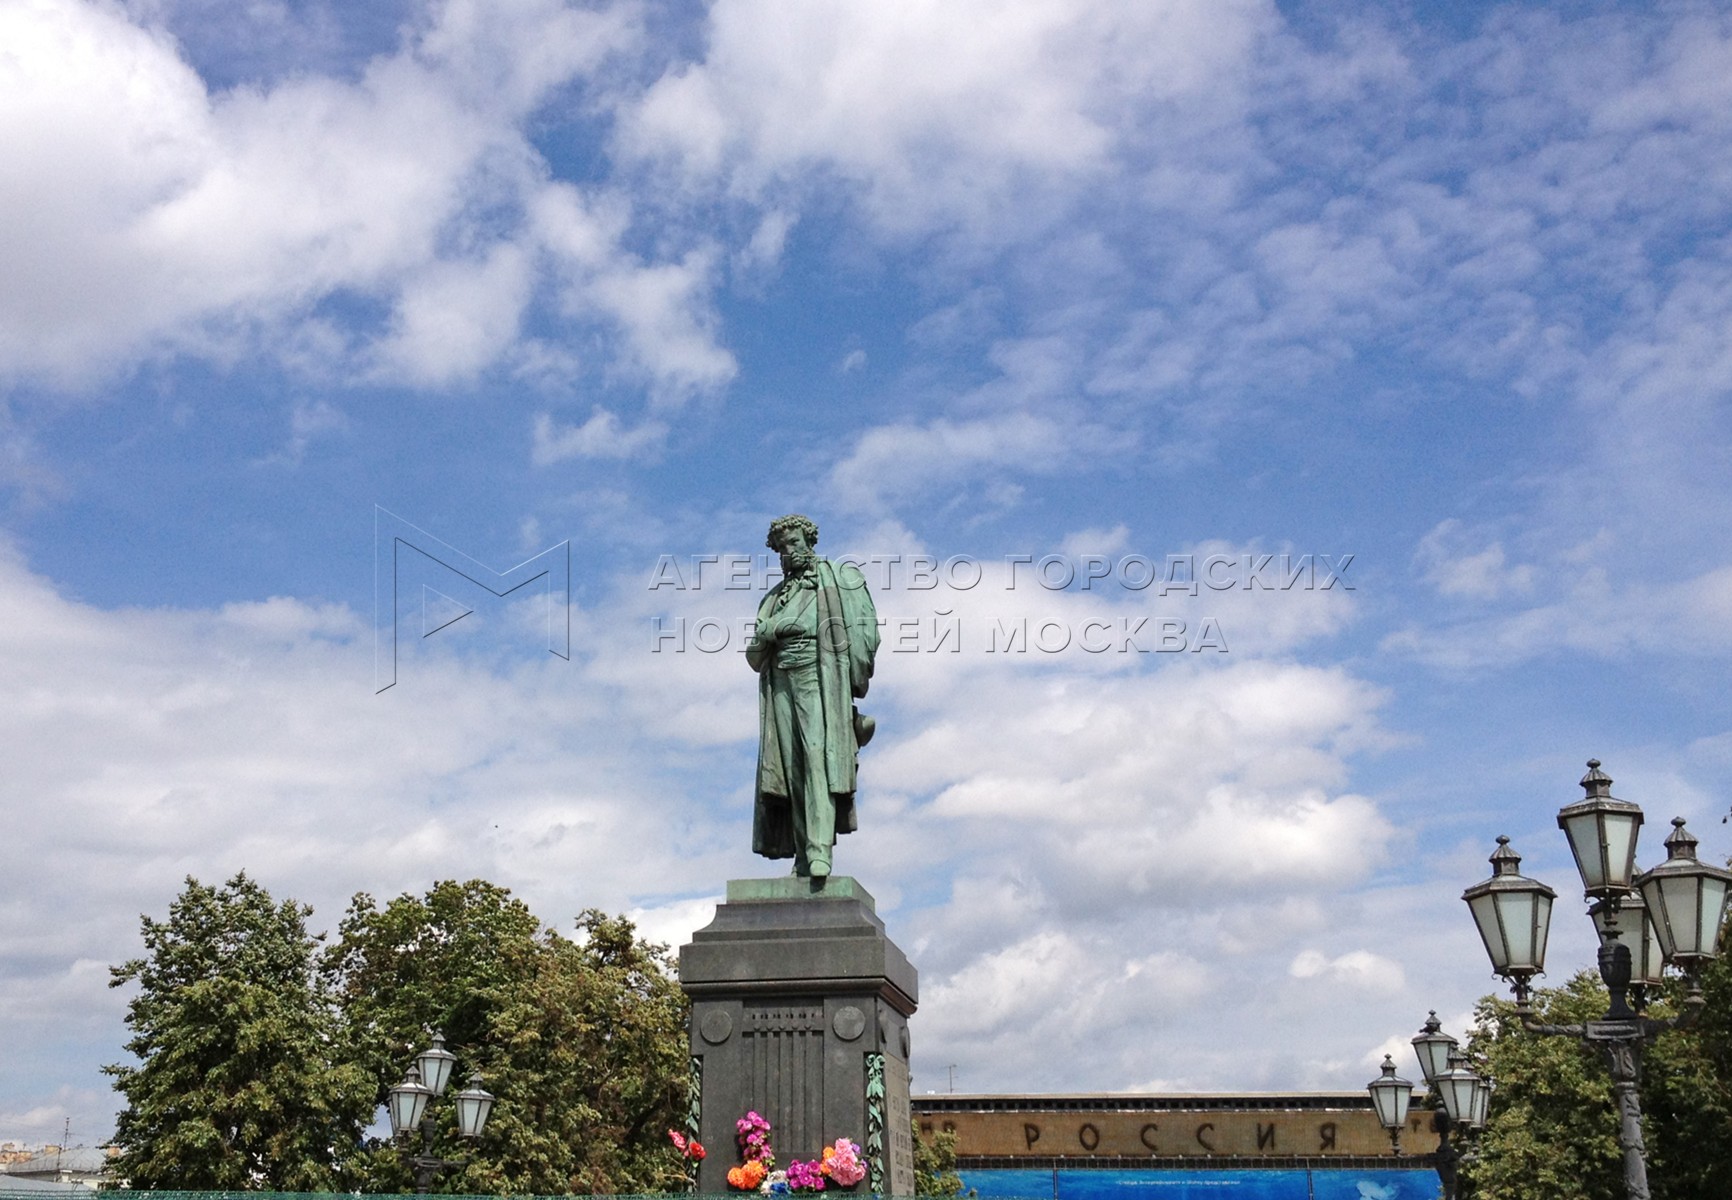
x,y
747,1177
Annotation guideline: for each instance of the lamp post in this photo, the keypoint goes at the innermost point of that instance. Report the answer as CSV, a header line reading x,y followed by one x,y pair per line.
x,y
407,1106
1390,1097
1462,1096
1682,900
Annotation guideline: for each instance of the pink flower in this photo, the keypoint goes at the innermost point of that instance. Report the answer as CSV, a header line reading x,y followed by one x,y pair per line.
x,y
805,1176
754,1138
842,1163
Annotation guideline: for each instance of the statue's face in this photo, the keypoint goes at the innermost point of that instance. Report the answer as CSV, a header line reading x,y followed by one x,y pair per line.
x,y
796,553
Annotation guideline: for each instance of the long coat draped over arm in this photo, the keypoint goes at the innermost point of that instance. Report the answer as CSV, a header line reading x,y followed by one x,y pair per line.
x,y
847,646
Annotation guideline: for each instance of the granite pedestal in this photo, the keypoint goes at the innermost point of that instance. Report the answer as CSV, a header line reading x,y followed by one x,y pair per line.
x,y
800,1008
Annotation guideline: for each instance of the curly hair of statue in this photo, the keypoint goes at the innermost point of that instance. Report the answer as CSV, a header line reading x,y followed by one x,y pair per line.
x,y
792,521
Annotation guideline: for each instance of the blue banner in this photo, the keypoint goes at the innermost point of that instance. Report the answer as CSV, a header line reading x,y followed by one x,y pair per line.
x,y
1243,1184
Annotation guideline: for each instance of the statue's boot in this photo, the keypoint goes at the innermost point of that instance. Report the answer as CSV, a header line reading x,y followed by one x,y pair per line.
x,y
819,866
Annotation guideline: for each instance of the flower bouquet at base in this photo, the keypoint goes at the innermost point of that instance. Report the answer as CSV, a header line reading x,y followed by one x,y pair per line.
x,y
752,1131
688,1147
748,1177
804,1178
841,1164
691,1154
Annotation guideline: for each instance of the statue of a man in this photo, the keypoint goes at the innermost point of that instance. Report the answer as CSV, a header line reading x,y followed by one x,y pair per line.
x,y
813,646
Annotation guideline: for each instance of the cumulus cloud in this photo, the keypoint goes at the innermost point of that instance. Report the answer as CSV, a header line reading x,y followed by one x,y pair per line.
x,y
935,112
1482,574
602,436
149,213
1359,970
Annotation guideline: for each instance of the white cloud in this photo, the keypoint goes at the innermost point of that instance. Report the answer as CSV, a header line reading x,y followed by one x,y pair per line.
x,y
602,436
900,461
147,213
1357,970
937,112
308,420
660,307
1096,541
1608,608
1455,571
764,251
452,319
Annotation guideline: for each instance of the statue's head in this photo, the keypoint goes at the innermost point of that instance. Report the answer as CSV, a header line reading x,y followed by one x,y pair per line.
x,y
783,525
793,537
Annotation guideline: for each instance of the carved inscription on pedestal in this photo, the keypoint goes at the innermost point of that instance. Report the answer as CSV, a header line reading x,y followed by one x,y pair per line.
x,y
900,1142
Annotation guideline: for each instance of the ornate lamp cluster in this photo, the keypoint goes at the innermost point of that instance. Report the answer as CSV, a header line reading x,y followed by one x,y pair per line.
x,y
407,1105
1463,1096
1672,915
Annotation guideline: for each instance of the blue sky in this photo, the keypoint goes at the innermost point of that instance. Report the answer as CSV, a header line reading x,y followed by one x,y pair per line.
x,y
1447,288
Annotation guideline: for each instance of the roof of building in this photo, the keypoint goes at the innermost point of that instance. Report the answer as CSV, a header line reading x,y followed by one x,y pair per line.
x,y
10,1184
1138,1101
80,1160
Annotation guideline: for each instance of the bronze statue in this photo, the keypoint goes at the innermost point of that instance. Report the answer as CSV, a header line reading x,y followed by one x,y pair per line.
x,y
813,648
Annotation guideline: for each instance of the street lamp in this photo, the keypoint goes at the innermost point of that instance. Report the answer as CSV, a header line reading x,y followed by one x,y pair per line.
x,y
1674,913
1390,1096
1462,1095
407,1104
1687,902
1433,1047
1481,1104
1514,915
1612,920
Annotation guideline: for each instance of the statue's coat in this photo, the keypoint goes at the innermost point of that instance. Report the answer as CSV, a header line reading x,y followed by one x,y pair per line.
x,y
847,645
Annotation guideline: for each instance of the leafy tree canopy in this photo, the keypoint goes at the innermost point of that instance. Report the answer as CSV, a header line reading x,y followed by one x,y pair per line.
x,y
935,1164
1553,1133
262,1060
237,1086
582,1039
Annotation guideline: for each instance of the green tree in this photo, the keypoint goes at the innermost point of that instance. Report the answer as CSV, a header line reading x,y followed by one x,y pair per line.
x,y
592,1054
935,1164
582,1039
425,963
1553,1133
238,1085
1687,1097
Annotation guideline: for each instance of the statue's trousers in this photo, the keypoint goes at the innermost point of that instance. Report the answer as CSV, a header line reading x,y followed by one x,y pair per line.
x,y
797,705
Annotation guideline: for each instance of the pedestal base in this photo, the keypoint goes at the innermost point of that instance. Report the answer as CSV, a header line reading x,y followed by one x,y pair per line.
x,y
800,1008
